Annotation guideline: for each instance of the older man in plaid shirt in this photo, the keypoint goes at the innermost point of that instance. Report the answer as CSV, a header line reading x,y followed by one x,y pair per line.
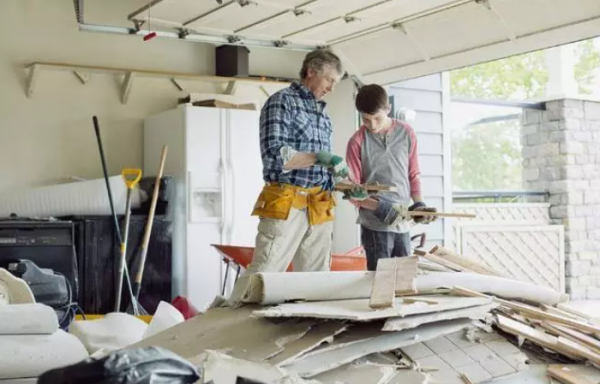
x,y
296,205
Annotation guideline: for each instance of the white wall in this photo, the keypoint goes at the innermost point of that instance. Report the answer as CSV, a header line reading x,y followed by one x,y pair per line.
x,y
428,96
50,137
340,106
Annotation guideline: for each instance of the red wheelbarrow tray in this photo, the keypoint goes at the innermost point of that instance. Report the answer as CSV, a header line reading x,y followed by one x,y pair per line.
x,y
243,256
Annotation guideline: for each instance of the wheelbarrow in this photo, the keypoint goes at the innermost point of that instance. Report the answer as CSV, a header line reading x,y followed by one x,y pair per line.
x,y
240,257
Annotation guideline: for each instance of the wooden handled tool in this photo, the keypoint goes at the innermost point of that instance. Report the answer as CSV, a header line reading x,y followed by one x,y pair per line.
x,y
442,214
137,285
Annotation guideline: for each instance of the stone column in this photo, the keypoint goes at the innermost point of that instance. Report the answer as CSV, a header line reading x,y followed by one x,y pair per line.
x,y
561,155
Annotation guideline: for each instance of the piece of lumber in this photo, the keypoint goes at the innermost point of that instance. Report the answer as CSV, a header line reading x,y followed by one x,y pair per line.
x,y
590,319
578,350
442,214
574,335
561,312
150,73
519,329
413,300
31,79
371,188
533,312
231,87
566,375
406,271
432,267
384,284
443,262
126,87
471,265
224,104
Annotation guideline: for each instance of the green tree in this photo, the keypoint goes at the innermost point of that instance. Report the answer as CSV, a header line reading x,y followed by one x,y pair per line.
x,y
516,77
488,156
588,63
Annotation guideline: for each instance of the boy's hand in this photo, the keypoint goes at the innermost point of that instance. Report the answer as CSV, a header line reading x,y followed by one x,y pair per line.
x,y
420,206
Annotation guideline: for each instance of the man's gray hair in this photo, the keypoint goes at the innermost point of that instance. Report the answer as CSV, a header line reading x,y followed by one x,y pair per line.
x,y
318,59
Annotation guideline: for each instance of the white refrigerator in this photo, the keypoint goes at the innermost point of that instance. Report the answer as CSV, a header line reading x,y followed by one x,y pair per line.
x,y
214,159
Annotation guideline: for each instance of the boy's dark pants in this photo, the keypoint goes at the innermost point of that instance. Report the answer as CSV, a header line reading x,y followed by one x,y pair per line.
x,y
379,244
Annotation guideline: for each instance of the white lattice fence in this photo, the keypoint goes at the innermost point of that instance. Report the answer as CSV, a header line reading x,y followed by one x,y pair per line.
x,y
527,253
504,214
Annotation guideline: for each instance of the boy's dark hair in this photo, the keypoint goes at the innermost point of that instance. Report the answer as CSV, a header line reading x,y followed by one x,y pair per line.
x,y
371,98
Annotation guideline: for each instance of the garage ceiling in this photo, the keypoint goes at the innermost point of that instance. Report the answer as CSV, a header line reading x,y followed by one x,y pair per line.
x,y
385,41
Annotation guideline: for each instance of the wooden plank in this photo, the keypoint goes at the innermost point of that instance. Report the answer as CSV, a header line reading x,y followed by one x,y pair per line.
x,y
533,312
463,261
442,214
384,284
31,79
590,319
566,375
126,87
371,188
83,77
406,270
264,91
149,73
177,84
519,329
443,262
231,87
578,350
576,336
431,267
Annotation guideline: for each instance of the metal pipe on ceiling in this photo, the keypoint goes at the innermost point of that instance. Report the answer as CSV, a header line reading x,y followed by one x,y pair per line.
x,y
199,38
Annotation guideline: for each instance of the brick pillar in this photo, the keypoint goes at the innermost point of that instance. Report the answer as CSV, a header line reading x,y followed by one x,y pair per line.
x,y
561,155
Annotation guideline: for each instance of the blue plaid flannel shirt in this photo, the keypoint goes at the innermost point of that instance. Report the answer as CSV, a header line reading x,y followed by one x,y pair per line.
x,y
293,117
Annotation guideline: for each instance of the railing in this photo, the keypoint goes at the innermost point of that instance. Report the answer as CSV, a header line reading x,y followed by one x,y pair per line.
x,y
500,196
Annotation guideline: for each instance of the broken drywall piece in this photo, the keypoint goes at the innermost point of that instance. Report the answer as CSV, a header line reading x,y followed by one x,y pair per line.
x,y
401,323
219,368
281,287
317,335
360,371
316,363
229,330
535,374
359,310
408,376
165,317
113,331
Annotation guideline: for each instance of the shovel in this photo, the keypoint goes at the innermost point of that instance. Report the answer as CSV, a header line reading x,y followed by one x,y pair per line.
x,y
132,177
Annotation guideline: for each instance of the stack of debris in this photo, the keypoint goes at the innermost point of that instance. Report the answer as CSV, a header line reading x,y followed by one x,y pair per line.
x,y
446,319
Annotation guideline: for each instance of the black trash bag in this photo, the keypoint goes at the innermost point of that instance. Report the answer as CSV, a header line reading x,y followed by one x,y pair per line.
x,y
150,365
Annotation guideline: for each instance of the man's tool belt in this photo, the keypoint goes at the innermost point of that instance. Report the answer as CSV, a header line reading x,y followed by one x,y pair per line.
x,y
276,200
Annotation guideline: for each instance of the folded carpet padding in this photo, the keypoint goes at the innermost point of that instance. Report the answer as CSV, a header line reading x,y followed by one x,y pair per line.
x,y
279,287
26,356
113,331
27,319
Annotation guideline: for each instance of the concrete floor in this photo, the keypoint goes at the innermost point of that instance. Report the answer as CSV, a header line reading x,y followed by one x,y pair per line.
x,y
589,307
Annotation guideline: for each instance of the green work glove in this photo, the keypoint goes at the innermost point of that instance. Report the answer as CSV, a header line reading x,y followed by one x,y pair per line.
x,y
358,192
336,164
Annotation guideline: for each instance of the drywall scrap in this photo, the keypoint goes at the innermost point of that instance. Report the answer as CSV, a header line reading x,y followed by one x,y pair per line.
x,y
466,326
325,360
359,310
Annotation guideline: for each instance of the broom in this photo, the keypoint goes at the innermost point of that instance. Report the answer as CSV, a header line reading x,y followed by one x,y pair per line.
x,y
136,309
